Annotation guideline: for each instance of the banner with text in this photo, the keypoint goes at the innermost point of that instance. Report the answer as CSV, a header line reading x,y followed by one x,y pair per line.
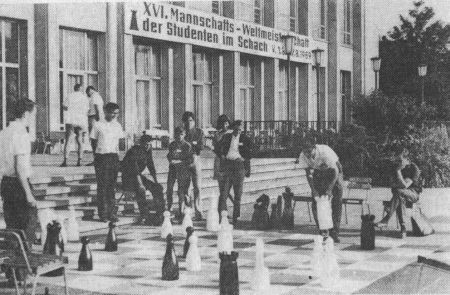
x,y
177,24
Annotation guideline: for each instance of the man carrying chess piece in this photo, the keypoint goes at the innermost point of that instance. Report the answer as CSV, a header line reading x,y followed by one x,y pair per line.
x,y
324,173
236,152
134,163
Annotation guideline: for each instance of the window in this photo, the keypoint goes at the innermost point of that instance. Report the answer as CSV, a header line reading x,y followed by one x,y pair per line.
x,y
217,7
202,87
293,15
347,22
346,89
9,69
258,12
78,62
148,86
282,93
247,89
323,20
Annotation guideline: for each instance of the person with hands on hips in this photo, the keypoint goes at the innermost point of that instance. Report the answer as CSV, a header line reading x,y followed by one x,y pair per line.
x,y
325,176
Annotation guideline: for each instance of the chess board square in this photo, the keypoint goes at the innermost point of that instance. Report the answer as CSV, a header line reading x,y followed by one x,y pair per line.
x,y
134,289
208,237
357,248
388,258
425,247
159,239
288,279
288,242
360,274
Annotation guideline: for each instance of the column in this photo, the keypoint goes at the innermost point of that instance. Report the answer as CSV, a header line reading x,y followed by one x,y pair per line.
x,y
332,70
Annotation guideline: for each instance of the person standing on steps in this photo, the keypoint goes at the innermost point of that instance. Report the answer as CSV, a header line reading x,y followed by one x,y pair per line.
x,y
95,113
236,151
180,157
76,106
323,167
19,204
106,135
222,126
134,163
194,136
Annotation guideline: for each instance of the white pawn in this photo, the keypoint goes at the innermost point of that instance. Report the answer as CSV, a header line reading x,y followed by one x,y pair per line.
x,y
317,256
193,259
166,227
187,220
225,236
73,233
261,277
331,276
61,220
212,219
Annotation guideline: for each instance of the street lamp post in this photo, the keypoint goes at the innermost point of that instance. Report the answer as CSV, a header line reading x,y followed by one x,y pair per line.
x,y
288,41
422,69
317,59
376,63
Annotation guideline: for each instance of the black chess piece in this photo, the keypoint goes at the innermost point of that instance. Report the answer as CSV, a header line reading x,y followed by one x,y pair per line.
x,y
170,268
54,244
260,217
111,240
229,276
368,232
133,23
274,222
287,219
189,231
85,258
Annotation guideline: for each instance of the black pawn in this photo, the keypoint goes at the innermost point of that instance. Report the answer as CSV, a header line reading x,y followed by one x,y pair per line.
x,y
111,240
85,258
288,211
170,268
189,231
368,232
54,244
133,23
229,276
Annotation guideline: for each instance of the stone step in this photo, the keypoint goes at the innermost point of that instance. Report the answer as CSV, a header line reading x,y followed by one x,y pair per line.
x,y
63,201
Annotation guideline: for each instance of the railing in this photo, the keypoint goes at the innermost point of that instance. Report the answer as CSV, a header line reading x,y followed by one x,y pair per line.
x,y
286,135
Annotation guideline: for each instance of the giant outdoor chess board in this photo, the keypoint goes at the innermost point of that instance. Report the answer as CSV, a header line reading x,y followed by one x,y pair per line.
x,y
136,267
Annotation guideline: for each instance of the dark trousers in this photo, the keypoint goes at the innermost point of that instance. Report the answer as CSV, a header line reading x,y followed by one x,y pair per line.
x,y
18,214
399,198
106,170
181,174
321,180
234,177
196,177
158,197
171,178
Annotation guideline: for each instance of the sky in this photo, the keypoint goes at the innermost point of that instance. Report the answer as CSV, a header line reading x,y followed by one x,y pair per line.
x,y
386,12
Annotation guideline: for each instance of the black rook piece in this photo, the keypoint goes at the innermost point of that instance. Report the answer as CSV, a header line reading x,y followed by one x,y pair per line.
x,y
229,277
111,240
54,244
189,231
367,232
170,269
85,258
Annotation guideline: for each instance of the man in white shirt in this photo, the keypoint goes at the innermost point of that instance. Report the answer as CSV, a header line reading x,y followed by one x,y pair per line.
x,y
324,174
95,113
106,135
19,204
76,106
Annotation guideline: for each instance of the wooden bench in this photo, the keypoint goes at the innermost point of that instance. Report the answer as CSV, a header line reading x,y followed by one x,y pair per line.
x,y
17,256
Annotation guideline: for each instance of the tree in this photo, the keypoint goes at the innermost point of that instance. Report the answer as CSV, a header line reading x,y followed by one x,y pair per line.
x,y
417,40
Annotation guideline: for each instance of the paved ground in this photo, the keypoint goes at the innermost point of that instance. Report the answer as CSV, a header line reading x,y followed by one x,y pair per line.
x,y
136,267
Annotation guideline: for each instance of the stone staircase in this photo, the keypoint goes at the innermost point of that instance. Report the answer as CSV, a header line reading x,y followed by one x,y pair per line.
x,y
57,188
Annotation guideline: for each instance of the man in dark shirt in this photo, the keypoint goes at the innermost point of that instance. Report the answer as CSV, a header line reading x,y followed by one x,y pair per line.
x,y
180,159
194,136
134,163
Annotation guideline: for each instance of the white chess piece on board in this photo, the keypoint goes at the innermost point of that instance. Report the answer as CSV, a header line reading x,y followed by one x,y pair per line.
x,y
193,259
212,218
73,232
261,277
187,220
166,227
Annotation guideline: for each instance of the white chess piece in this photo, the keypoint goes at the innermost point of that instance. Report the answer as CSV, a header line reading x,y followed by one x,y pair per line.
x,y
317,256
61,220
187,220
73,232
330,272
261,277
324,212
193,259
166,227
225,236
212,219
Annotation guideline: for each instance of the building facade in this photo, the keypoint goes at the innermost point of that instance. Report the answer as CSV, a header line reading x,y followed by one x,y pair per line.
x,y
158,59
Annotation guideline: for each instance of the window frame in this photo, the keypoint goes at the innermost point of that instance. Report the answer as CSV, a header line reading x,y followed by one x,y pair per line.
x,y
248,86
293,16
282,90
206,86
322,26
219,8
347,28
260,9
